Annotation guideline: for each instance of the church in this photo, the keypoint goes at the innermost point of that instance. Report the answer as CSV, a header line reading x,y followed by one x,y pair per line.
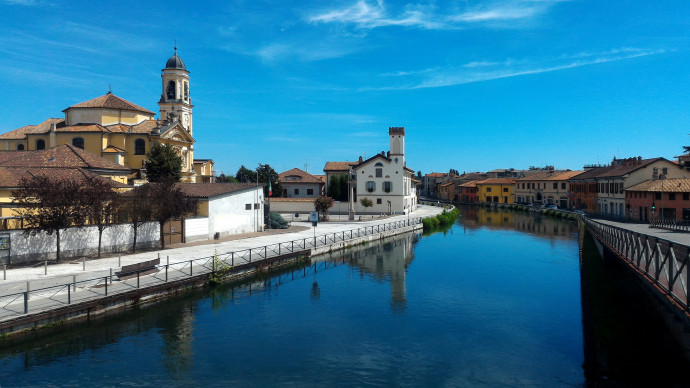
x,y
121,131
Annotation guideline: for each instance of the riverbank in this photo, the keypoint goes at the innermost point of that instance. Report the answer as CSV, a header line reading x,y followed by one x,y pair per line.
x,y
40,300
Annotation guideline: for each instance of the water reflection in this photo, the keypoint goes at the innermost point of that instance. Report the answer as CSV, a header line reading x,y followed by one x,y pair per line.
x,y
533,223
387,262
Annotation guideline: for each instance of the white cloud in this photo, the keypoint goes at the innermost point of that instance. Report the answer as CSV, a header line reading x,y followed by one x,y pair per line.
x,y
486,70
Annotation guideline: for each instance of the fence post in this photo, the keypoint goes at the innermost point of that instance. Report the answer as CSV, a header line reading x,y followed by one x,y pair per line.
x,y
83,263
138,279
250,255
26,302
69,294
232,259
106,284
278,249
166,273
119,258
265,251
190,267
167,260
74,282
111,276
4,272
28,289
45,268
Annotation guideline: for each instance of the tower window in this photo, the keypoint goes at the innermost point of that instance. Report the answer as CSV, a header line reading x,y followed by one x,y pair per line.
x,y
170,91
20,147
186,90
139,147
78,142
40,144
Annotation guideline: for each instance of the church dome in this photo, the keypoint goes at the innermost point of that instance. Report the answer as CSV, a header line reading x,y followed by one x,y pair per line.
x,y
175,62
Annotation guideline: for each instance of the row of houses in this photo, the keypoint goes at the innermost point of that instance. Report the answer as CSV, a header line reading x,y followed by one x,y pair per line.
x,y
631,188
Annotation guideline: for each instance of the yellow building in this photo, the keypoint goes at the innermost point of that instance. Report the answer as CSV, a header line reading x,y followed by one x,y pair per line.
x,y
496,190
121,131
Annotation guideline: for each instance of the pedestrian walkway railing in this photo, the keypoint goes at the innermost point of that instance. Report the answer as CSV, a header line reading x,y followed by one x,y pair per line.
x,y
662,262
20,298
670,224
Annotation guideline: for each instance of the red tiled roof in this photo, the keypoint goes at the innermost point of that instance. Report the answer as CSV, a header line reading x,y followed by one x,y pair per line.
x,y
110,101
675,185
339,166
207,190
304,176
145,127
113,149
496,181
10,177
627,168
65,156
20,133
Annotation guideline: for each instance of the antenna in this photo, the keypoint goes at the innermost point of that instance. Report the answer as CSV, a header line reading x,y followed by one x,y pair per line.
x,y
110,88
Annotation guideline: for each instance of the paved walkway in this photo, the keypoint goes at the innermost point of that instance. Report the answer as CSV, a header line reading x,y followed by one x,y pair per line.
x,y
183,252
677,237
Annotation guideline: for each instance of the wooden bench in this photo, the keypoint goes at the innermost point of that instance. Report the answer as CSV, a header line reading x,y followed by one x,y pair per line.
x,y
132,269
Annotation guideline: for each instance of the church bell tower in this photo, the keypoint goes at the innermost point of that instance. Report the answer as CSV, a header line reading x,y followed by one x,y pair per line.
x,y
175,102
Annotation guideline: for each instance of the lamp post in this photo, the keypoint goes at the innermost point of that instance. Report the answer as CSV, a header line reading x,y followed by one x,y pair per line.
x,y
351,187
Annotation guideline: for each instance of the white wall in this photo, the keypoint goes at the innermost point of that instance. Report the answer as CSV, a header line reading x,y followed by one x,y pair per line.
x,y
79,242
227,214
196,229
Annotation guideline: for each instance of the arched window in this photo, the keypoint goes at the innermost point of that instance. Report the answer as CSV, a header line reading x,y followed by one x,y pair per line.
x,y
170,91
20,147
186,90
78,142
139,147
40,144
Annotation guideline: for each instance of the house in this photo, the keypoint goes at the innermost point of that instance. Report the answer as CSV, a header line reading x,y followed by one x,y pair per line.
x,y
447,192
386,180
121,131
300,184
204,171
224,209
625,173
548,187
584,194
496,190
429,183
336,173
468,192
661,198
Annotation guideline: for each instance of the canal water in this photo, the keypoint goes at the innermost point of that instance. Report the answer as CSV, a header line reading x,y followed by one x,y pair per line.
x,y
492,301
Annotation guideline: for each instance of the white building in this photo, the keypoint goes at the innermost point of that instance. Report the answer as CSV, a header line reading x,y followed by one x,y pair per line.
x,y
386,180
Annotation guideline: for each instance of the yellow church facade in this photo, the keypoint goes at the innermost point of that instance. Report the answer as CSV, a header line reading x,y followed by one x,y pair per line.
x,y
121,131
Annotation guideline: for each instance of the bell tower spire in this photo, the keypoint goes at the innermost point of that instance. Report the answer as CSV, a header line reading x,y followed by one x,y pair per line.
x,y
175,102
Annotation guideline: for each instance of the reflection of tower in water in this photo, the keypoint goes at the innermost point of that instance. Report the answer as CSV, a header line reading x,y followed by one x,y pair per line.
x,y
389,261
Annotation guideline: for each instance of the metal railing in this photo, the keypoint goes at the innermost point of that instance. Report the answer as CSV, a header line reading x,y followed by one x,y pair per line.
x,y
670,224
662,262
26,299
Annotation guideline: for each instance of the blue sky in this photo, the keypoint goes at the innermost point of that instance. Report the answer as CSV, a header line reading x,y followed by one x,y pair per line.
x,y
477,84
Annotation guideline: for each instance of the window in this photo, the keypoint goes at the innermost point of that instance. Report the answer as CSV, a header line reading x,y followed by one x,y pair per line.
x,y
562,185
505,189
672,196
140,147
488,189
378,201
387,187
310,191
257,205
248,206
78,142
40,144
657,196
20,147
686,196
379,172
555,185
664,171
186,90
371,186
171,90
296,191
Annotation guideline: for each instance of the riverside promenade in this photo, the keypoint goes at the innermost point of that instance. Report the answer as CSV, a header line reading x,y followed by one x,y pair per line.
x,y
29,295
682,238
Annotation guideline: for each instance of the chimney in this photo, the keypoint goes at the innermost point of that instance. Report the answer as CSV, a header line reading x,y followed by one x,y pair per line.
x,y
360,159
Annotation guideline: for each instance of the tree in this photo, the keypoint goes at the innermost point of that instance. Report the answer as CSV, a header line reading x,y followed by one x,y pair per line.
x,y
419,175
268,174
366,202
49,205
334,187
101,205
453,172
168,201
321,204
138,209
344,189
163,164
245,175
222,178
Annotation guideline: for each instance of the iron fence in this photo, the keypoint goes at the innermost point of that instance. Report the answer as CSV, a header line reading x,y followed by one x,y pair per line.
x,y
76,291
662,262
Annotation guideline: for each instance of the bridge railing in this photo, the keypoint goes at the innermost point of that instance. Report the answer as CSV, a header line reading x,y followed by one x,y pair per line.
x,y
20,298
670,224
662,262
